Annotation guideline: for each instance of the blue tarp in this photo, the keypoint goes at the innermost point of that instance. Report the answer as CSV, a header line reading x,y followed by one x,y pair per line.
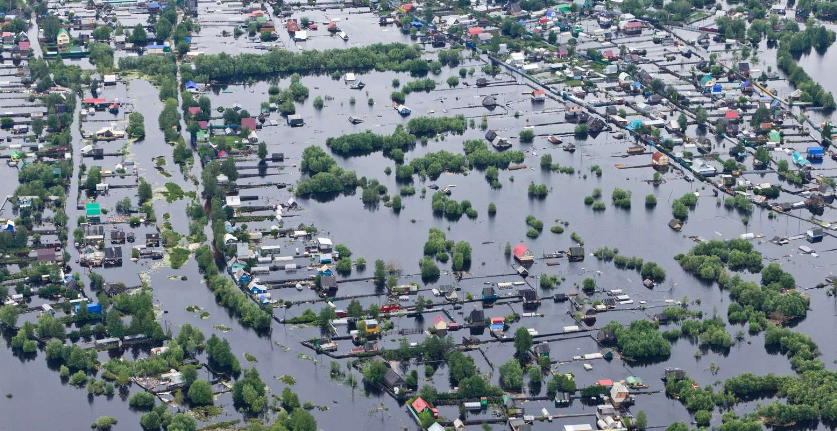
x,y
636,84
190,85
550,13
154,5
815,152
774,104
799,160
636,124
416,24
94,308
717,88
745,84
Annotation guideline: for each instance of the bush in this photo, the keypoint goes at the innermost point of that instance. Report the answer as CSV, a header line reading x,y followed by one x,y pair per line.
x,y
650,201
142,401
527,135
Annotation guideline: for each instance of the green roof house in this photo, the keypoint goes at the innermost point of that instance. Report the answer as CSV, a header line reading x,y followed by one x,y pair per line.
x,y
93,210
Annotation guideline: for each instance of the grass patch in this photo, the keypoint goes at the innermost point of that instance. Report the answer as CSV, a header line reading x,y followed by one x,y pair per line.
x,y
250,358
205,413
178,257
193,309
173,192
205,315
288,380
222,328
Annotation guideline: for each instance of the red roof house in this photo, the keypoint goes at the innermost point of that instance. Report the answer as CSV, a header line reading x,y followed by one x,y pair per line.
x,y
731,115
522,254
194,110
473,31
23,46
203,125
249,122
420,405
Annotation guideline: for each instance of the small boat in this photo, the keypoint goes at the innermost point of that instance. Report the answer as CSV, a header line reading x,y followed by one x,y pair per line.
x,y
554,140
357,85
569,147
332,28
114,107
312,27
355,120
343,35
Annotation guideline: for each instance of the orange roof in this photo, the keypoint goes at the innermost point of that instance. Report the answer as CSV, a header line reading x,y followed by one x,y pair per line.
x,y
606,382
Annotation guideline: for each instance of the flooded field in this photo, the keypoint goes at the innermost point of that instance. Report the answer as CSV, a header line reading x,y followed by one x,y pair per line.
x,y
231,215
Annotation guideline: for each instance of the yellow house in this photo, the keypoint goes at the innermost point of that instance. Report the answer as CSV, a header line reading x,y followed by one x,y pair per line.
x,y
63,37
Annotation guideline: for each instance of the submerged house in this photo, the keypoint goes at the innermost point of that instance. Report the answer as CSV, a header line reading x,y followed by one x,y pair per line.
x,y
523,254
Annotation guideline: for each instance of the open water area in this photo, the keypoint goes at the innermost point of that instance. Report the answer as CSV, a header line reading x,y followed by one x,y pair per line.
x,y
181,296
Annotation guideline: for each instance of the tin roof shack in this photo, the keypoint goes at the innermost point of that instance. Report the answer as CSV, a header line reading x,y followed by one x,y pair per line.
x,y
477,318
152,240
530,298
575,254
113,289
329,284
113,256
47,256
488,294
523,254
324,245
295,120
812,235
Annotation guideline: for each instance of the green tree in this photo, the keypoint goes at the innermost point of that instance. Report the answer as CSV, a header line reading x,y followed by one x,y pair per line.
x,y
511,375
144,191
262,151
8,315
522,341
200,393
138,35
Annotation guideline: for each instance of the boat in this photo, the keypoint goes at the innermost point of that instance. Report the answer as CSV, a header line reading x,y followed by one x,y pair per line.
x,y
357,85
554,140
332,27
343,35
569,147
355,120
114,108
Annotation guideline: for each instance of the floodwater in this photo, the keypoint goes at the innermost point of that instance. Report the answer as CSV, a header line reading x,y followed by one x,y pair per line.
x,y
380,233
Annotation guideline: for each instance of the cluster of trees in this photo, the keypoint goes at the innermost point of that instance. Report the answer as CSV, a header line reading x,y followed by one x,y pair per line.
x,y
800,41
450,208
621,198
480,156
326,177
640,340
776,297
396,57
438,246
708,259
368,142
169,120
434,164
427,85
221,356
432,126
249,392
710,332
538,190
229,296
136,126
